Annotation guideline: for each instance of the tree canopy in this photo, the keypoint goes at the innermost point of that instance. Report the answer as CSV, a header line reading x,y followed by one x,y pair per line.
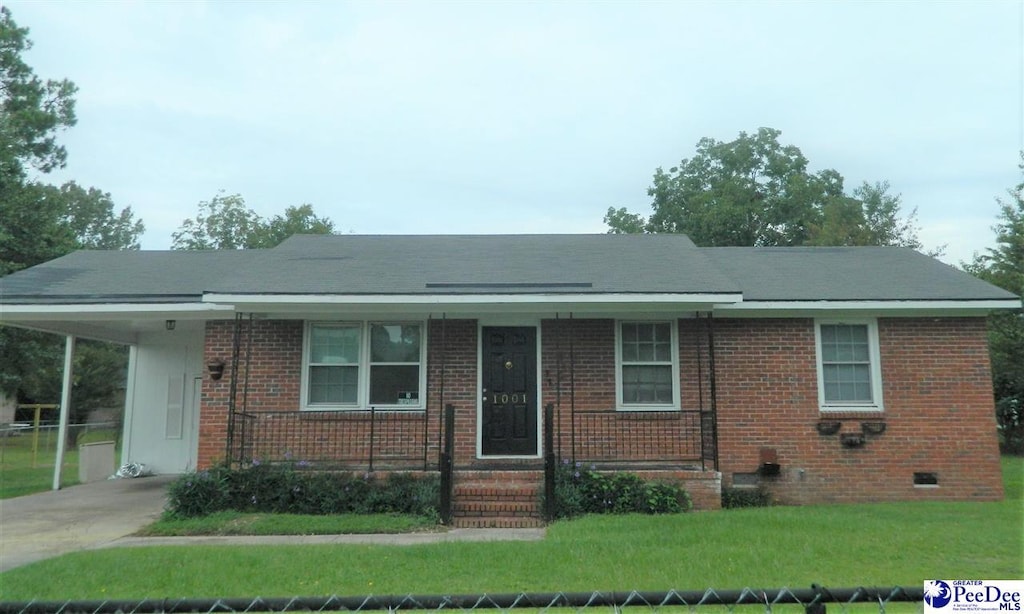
x,y
225,222
755,191
1003,265
39,222
32,111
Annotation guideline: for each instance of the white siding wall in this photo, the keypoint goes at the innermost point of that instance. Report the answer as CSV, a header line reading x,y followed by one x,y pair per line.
x,y
161,411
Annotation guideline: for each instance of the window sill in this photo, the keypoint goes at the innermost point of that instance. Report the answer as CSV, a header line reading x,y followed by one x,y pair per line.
x,y
850,410
366,410
646,408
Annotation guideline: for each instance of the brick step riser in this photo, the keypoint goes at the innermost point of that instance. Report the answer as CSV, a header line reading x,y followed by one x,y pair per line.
x,y
491,482
495,493
498,499
496,523
525,507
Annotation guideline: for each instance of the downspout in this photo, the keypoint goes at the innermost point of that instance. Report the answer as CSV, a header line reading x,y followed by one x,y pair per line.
x,y
65,407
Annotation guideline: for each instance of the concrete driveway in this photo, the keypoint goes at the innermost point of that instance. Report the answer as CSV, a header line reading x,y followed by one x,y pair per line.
x,y
48,524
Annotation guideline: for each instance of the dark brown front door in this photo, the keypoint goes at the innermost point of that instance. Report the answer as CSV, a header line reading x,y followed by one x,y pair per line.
x,y
509,421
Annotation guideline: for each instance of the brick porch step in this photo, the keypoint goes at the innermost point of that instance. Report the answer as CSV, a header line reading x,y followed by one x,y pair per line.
x,y
498,499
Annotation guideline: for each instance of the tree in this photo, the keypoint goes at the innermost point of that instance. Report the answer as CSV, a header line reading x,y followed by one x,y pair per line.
x,y
755,191
31,111
224,222
39,222
1003,266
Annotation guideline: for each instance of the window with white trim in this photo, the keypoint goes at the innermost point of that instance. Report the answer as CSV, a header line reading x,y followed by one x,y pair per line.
x,y
849,374
647,365
349,365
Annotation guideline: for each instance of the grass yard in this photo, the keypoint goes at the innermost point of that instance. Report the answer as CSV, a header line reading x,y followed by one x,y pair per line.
x,y
237,523
840,546
24,471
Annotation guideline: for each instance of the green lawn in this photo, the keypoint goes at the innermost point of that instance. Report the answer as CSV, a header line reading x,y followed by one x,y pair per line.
x,y
237,523
839,545
24,471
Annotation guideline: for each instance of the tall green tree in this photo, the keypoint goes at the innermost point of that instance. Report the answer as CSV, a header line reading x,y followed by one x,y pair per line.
x,y
225,222
755,191
1003,265
32,111
39,222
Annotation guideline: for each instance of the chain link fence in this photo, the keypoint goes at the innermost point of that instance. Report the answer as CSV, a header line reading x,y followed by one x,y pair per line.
x,y
815,600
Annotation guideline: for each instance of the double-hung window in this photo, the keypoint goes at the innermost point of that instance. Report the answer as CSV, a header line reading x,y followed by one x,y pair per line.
x,y
849,374
647,365
355,365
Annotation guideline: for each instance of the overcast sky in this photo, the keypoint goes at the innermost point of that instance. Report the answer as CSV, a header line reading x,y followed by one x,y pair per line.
x,y
512,117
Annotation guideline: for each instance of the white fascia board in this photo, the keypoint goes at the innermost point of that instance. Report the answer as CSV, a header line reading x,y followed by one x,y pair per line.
x,y
99,310
907,308
468,299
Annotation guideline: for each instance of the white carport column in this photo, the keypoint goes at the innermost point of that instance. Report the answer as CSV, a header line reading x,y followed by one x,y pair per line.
x,y
65,407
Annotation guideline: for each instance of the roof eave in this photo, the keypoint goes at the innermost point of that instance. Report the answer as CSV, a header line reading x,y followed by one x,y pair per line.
x,y
905,308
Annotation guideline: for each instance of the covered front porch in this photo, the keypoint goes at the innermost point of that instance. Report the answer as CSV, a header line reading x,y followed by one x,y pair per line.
x,y
561,418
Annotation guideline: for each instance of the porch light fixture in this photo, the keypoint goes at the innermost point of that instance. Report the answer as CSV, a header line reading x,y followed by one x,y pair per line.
x,y
170,324
216,369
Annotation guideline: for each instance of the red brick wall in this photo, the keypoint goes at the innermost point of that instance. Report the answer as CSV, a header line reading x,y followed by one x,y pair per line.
x,y
273,382
452,348
939,413
937,393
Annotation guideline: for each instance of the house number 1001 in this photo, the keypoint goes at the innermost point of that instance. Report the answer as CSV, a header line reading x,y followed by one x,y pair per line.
x,y
505,398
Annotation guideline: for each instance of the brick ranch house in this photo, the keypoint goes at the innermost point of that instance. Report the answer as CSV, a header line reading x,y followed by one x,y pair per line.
x,y
821,374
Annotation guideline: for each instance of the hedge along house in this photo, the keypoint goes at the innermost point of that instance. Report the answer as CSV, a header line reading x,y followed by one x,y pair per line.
x,y
821,374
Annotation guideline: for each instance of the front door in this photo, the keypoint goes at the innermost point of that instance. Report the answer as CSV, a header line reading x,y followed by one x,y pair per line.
x,y
509,420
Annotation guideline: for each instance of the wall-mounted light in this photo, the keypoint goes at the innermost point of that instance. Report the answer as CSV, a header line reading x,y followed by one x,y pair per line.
x,y
170,324
216,369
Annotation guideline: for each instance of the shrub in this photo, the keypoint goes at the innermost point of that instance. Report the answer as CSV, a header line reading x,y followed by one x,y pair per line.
x,y
733,498
294,489
579,491
199,493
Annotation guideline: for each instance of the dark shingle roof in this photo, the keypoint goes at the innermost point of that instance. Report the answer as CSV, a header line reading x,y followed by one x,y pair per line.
x,y
496,264
847,274
359,264
122,276
482,264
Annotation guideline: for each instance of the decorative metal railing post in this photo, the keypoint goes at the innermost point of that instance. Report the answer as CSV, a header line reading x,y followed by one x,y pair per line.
x,y
373,431
236,343
713,389
550,462
447,464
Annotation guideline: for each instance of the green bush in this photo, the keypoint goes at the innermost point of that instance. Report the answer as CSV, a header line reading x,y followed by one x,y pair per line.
x,y
293,488
200,493
579,490
733,498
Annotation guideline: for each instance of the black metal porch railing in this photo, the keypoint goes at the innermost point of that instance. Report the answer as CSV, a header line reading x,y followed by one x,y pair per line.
x,y
643,437
352,440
